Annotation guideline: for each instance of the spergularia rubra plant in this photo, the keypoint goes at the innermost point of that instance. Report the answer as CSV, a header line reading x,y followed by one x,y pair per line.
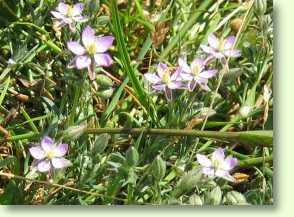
x,y
92,52
68,15
49,155
164,80
217,165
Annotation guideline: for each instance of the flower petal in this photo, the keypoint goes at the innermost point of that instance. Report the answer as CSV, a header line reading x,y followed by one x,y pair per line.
x,y
60,150
229,163
62,8
213,41
207,49
218,155
192,85
60,162
57,15
186,77
103,43
79,18
159,87
76,48
47,143
208,171
77,9
225,175
37,152
103,59
232,53
184,65
208,73
88,36
83,62
152,78
43,166
174,85
229,42
161,67
203,160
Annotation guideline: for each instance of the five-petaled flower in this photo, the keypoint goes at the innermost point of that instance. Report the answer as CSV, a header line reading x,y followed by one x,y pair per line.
x,y
217,165
165,80
221,48
93,52
195,73
68,15
48,155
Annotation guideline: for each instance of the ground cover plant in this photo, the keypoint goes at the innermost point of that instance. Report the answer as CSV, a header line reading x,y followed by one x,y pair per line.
x,y
143,102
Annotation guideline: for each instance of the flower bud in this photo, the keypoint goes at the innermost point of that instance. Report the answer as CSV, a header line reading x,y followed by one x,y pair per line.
x,y
132,156
260,6
104,81
158,168
105,94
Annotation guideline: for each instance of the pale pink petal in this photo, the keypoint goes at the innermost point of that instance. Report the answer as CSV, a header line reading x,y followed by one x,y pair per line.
x,y
225,175
60,162
37,152
229,42
232,53
207,49
186,77
229,163
57,15
198,63
83,62
76,48
77,9
218,155
184,65
88,36
103,43
60,150
161,67
43,166
62,8
103,59
47,143
208,171
203,160
213,41
221,173
208,73
159,87
79,18
152,78
174,85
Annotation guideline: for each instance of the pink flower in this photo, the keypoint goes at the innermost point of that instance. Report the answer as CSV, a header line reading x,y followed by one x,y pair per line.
x,y
92,52
221,48
218,165
164,80
48,155
67,15
195,73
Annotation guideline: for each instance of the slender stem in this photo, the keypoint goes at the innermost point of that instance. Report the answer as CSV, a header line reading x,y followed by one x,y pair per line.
x,y
254,161
264,138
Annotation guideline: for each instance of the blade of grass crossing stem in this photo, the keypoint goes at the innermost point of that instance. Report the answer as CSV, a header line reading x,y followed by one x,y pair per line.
x,y
126,62
4,91
181,34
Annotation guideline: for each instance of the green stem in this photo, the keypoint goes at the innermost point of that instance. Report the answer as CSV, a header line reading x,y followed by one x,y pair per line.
x,y
263,138
254,161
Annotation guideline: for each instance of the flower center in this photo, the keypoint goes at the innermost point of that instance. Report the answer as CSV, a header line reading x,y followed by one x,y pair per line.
x,y
91,48
166,76
215,164
50,155
69,12
221,44
196,70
